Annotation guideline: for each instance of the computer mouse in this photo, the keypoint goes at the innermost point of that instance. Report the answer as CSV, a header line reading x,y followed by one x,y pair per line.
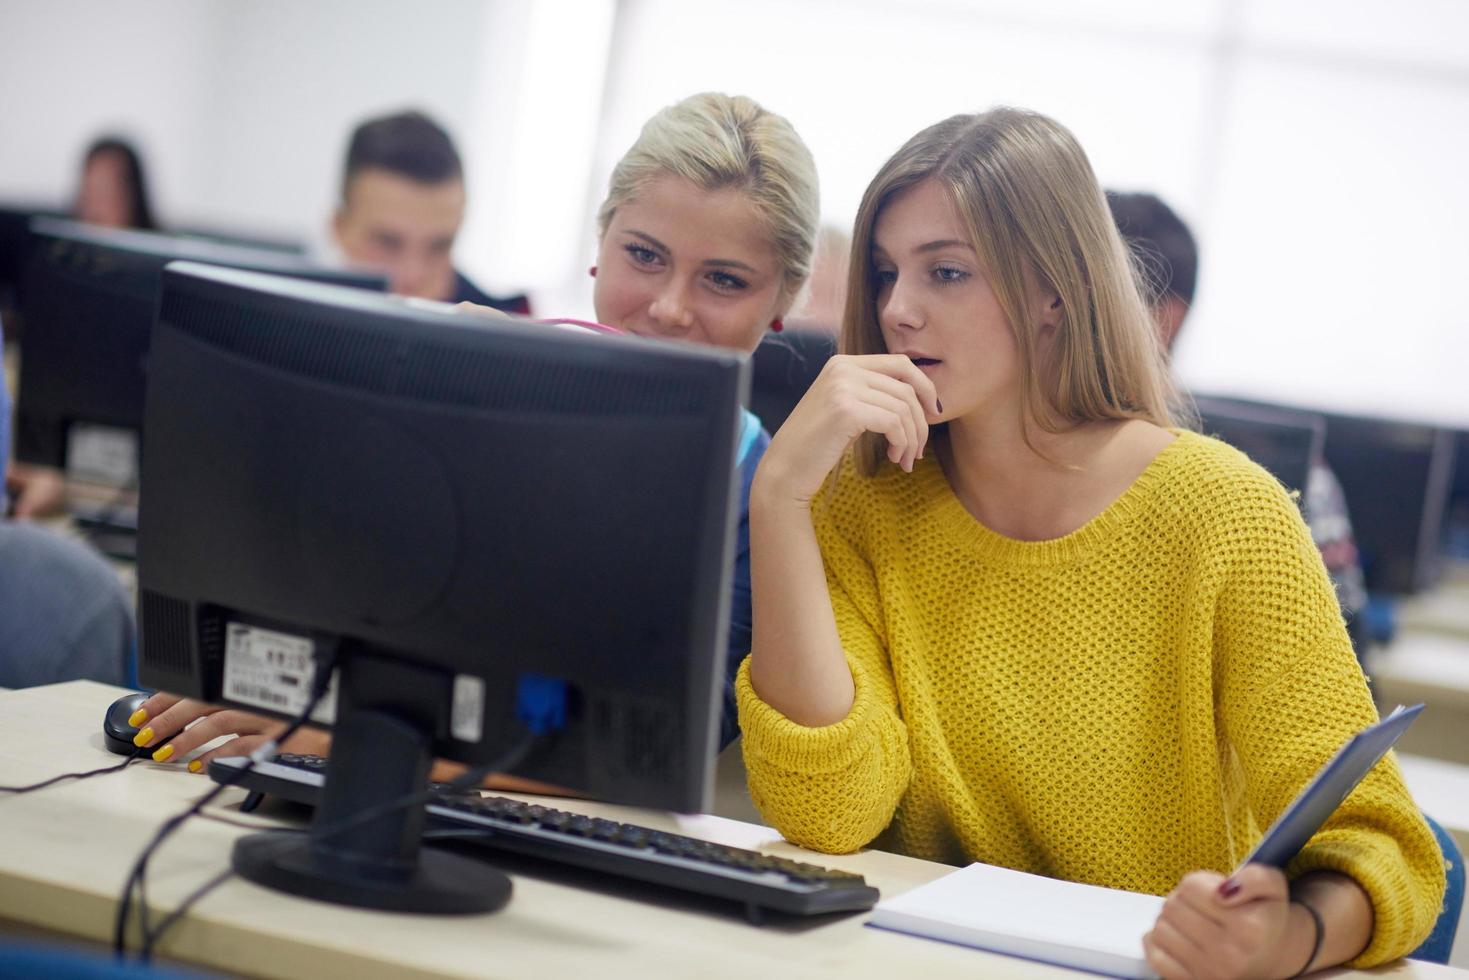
x,y
116,731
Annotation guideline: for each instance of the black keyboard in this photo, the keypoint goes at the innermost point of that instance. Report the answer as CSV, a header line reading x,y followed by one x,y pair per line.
x,y
759,882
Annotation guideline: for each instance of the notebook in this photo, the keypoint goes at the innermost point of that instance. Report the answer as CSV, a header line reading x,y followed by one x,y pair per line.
x,y
1101,929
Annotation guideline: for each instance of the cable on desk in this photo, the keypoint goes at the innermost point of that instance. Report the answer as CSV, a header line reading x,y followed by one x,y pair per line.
x,y
119,767
540,709
151,939
137,877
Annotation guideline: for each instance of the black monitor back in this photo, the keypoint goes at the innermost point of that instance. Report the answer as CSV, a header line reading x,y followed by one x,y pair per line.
x,y
439,496
1396,478
89,300
1284,441
784,366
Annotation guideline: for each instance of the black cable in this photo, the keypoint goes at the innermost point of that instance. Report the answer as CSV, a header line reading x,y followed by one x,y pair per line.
x,y
74,775
151,939
470,778
467,780
464,781
246,825
137,876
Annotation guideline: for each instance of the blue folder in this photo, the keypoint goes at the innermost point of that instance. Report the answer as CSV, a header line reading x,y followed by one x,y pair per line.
x,y
1332,784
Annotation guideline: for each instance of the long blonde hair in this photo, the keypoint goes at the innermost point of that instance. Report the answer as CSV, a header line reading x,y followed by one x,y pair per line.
x,y
1032,206
716,141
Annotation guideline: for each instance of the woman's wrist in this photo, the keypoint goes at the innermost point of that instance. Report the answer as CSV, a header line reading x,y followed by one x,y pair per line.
x,y
1305,933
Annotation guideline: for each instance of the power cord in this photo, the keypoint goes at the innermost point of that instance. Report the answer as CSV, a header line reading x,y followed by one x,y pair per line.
x,y
137,877
74,775
541,707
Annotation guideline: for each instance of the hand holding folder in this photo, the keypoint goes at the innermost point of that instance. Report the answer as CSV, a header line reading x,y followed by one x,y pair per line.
x,y
1101,929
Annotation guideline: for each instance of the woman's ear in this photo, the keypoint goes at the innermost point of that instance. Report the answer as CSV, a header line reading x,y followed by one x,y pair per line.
x,y
1051,311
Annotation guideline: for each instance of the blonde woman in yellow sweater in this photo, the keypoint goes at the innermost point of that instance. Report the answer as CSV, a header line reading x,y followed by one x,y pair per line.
x,y
1005,610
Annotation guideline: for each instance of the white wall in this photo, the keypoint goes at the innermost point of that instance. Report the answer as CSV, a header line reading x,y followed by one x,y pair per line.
x,y
71,69
1317,146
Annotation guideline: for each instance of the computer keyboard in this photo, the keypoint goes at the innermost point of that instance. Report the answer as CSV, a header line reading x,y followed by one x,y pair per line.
x,y
759,882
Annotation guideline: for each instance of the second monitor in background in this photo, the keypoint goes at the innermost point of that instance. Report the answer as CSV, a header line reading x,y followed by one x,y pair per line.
x,y
90,295
1396,476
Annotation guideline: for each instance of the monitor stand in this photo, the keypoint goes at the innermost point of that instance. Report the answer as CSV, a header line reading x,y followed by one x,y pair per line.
x,y
379,862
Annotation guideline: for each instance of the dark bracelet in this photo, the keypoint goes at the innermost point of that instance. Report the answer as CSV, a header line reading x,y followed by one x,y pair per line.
x,y
1320,935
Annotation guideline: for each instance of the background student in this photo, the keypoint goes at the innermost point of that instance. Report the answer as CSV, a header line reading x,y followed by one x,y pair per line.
x,y
113,190
1168,259
706,236
403,199
1029,621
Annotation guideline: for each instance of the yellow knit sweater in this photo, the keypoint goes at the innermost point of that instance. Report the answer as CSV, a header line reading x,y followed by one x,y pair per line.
x,y
1120,706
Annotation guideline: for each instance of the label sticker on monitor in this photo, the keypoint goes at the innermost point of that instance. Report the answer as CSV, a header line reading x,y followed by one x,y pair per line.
x,y
467,715
273,670
102,454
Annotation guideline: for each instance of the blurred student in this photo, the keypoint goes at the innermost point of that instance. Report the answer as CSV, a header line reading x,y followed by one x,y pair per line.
x,y
402,204
114,190
826,296
706,236
63,613
1165,250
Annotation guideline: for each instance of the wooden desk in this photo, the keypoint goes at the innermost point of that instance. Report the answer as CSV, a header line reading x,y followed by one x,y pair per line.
x,y
64,852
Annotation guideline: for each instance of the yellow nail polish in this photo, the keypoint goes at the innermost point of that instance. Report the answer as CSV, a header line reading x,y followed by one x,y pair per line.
x,y
143,738
163,754
195,765
137,717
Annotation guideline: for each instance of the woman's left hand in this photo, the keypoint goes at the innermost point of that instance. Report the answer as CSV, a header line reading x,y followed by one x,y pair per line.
x,y
1217,927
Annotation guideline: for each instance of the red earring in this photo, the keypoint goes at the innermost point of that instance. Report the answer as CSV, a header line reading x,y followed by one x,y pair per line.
x,y
777,325
592,272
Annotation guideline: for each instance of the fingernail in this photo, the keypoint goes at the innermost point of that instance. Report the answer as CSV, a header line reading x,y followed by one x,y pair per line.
x,y
1229,888
137,717
195,766
163,754
143,738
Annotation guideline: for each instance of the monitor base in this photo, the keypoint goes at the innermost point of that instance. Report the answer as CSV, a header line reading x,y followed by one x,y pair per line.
x,y
440,883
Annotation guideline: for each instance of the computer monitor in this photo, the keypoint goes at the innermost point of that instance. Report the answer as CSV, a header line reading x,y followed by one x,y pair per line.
x,y
457,506
1456,520
783,367
89,298
1396,477
246,239
15,250
1285,441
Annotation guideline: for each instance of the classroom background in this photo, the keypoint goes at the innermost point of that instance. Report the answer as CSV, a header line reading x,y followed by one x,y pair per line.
x,y
1316,148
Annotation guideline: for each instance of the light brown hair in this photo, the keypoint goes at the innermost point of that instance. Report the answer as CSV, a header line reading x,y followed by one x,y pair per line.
x,y
1025,191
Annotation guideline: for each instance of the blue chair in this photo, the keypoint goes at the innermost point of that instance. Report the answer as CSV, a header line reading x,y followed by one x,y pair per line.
x,y
23,961
1440,941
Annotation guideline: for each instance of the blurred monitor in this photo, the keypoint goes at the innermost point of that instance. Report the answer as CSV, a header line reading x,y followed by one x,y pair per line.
x,y
1396,477
245,239
89,297
469,513
1285,441
1456,520
15,250
784,366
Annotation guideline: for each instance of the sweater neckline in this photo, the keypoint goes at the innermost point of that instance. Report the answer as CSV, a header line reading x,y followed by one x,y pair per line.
x,y
957,524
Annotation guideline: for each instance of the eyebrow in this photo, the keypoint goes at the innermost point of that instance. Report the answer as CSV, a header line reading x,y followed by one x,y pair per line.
x,y
934,246
943,243
718,263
